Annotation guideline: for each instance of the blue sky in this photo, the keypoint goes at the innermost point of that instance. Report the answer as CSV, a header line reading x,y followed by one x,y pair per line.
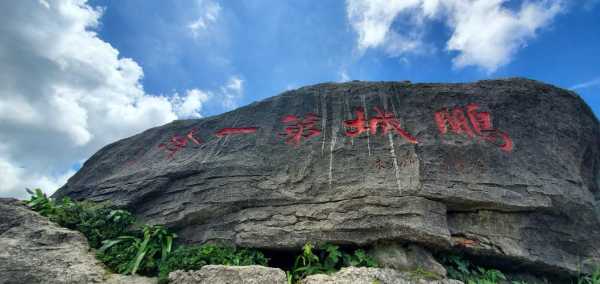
x,y
78,75
275,45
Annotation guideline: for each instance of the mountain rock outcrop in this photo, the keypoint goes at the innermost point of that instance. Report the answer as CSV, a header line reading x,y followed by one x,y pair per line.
x,y
507,170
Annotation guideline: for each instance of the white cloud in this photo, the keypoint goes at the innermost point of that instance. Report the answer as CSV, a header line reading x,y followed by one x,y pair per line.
x,y
190,105
209,14
372,19
485,33
232,93
343,75
64,93
588,84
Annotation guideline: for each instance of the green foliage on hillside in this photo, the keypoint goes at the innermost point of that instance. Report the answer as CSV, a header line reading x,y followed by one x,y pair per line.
x,y
150,251
127,250
326,259
461,269
194,257
95,221
594,278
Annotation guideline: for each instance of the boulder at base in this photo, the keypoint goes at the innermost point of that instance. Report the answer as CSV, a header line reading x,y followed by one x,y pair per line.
x,y
210,274
363,275
35,250
503,169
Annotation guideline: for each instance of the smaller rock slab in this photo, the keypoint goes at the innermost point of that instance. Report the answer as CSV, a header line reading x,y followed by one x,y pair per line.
x,y
210,274
35,250
363,275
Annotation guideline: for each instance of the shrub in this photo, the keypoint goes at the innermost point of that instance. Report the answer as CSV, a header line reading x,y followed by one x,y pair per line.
x,y
97,222
327,259
194,257
130,254
461,269
593,278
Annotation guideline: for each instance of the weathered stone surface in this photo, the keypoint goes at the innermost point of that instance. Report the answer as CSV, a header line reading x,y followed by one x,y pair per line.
x,y
34,250
363,275
406,258
535,205
210,274
127,279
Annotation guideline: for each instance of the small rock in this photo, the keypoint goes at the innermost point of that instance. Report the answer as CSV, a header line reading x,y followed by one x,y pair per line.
x,y
211,274
363,275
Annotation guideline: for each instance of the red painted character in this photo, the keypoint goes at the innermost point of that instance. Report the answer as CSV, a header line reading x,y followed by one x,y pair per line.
x,y
178,142
300,128
237,130
386,120
474,123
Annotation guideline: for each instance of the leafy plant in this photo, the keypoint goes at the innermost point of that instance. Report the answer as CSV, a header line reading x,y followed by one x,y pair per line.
x,y
461,269
593,278
40,203
150,251
327,259
194,257
97,222
155,246
359,259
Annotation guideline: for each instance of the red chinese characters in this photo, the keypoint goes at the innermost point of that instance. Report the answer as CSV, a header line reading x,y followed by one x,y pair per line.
x,y
384,120
474,123
177,143
299,128
237,130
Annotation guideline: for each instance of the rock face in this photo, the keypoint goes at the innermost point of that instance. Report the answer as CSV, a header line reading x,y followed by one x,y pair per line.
x,y
354,275
210,274
504,169
406,258
34,250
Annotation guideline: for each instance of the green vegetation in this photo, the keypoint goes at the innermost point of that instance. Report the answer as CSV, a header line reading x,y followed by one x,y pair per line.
x,y
96,221
150,251
129,254
194,257
461,269
594,278
326,259
125,250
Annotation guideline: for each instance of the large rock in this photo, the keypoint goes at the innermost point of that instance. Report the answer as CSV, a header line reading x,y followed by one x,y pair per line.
x,y
503,168
362,275
211,274
35,250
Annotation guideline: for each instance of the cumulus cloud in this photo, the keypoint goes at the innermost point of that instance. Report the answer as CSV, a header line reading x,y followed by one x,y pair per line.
x,y
232,93
64,93
484,33
209,14
343,75
189,105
